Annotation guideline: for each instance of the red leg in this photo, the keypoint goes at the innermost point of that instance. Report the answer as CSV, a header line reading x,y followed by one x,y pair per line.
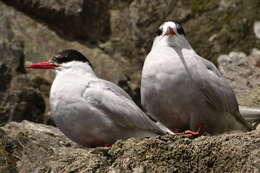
x,y
108,145
191,132
200,129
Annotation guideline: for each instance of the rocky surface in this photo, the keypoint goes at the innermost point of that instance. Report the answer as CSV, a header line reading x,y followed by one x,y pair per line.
x,y
243,73
257,29
132,23
19,100
39,148
77,19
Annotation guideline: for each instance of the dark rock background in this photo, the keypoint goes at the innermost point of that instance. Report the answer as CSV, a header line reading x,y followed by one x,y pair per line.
x,y
19,100
116,35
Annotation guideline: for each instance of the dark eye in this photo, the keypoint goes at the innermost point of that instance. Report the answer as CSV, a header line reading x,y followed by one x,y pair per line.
x,y
54,60
180,30
158,32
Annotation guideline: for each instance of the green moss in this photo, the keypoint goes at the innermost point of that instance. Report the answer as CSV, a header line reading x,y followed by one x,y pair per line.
x,y
4,158
7,162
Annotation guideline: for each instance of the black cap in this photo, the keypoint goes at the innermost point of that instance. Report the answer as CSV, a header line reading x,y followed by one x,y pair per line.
x,y
69,55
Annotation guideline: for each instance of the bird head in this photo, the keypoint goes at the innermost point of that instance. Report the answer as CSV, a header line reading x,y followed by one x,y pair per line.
x,y
170,33
65,59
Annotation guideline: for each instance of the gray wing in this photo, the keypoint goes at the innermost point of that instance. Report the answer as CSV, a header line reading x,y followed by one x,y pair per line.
x,y
216,90
115,103
214,87
210,66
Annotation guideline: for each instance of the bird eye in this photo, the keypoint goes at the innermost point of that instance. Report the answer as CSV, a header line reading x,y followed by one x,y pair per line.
x,y
158,32
53,60
180,30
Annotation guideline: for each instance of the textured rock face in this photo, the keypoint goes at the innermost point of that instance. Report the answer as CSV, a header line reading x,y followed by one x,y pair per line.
x,y
243,74
19,100
257,29
80,19
127,27
39,148
40,43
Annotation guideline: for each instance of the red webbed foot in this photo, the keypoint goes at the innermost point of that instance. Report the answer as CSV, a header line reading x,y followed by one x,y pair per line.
x,y
200,129
191,132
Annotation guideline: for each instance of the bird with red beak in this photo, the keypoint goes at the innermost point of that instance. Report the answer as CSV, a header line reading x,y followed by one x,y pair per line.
x,y
184,91
42,65
89,110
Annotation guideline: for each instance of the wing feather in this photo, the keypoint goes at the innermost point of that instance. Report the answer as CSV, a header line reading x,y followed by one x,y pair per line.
x,y
118,105
216,90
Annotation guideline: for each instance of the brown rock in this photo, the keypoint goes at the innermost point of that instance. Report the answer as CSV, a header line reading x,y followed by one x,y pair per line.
x,y
73,19
243,73
18,100
35,147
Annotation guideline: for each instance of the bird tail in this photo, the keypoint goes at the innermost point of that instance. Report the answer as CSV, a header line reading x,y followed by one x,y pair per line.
x,y
164,128
250,113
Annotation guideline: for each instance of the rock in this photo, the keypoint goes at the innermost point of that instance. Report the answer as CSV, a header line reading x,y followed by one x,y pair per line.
x,y
257,29
258,127
128,27
7,161
18,99
73,19
243,73
40,43
11,62
40,148
230,21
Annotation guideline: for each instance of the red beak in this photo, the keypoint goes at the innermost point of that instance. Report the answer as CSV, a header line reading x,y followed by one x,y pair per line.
x,y
42,65
169,31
